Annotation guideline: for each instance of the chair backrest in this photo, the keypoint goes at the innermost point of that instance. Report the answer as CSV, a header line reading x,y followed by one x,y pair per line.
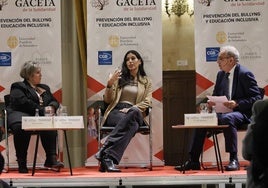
x,y
244,127
7,99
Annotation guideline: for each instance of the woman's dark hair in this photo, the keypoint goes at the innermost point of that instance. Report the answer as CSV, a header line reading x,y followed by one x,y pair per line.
x,y
260,147
126,76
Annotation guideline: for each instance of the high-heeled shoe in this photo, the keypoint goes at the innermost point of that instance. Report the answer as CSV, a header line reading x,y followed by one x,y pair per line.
x,y
101,167
188,165
99,154
107,165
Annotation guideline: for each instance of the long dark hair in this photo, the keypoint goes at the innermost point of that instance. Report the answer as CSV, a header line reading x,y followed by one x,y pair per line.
x,y
126,76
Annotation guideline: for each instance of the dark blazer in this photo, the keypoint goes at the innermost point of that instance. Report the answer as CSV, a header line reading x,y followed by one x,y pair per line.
x,y
24,100
245,90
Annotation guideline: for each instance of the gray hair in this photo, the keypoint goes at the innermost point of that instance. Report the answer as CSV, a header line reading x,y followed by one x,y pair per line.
x,y
28,69
231,51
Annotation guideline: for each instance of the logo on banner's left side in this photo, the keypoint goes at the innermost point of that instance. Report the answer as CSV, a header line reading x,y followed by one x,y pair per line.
x,y
5,58
105,58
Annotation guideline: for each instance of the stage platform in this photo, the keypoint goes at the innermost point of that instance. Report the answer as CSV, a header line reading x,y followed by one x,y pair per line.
x,y
164,176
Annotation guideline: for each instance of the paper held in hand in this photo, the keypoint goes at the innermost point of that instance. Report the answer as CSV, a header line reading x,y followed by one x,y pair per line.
x,y
52,122
219,100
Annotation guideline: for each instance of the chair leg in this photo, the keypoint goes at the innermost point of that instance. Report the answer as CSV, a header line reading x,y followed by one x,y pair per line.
x,y
7,150
151,140
6,142
151,150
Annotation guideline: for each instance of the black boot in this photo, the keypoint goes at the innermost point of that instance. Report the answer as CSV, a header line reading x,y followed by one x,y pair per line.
x,y
22,166
51,162
99,154
101,167
107,165
188,165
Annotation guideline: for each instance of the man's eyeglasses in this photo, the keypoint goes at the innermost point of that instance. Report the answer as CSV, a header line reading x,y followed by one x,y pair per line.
x,y
222,58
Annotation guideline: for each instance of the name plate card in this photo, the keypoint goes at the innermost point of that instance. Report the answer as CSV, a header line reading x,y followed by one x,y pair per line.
x,y
201,119
68,122
53,122
32,122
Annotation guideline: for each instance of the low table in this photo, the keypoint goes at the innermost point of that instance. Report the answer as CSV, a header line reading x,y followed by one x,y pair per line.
x,y
32,123
213,129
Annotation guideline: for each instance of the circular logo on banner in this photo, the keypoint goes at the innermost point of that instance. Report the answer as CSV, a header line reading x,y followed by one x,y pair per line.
x,y
12,42
114,41
221,37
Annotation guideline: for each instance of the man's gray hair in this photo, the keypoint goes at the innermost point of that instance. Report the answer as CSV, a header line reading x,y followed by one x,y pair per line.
x,y
231,51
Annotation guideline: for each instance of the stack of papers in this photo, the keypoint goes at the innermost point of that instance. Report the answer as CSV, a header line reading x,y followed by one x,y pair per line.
x,y
219,100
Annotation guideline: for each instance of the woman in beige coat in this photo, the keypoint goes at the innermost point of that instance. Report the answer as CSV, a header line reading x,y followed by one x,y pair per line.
x,y
128,95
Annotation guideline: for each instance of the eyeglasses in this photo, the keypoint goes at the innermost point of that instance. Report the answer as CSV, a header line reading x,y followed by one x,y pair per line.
x,y
222,58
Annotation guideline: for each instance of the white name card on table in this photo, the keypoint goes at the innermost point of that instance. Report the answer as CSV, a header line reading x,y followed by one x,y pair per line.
x,y
32,122
201,119
50,123
68,122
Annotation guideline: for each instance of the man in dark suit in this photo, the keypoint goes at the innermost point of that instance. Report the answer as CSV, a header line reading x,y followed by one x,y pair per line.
x,y
242,94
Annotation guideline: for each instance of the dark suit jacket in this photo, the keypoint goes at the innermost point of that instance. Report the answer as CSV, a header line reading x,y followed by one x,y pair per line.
x,y
24,100
245,90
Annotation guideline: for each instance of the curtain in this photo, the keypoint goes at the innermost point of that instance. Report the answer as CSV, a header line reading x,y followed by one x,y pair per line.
x,y
74,74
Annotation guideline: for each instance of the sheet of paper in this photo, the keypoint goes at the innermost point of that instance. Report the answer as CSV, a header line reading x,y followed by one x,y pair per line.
x,y
219,100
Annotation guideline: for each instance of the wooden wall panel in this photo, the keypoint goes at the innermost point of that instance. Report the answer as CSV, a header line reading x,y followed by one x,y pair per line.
x,y
179,97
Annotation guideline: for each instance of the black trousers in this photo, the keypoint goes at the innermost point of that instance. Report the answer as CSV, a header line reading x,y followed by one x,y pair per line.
x,y
126,126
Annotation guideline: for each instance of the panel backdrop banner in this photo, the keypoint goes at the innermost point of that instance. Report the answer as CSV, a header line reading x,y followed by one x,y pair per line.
x,y
114,27
243,24
30,31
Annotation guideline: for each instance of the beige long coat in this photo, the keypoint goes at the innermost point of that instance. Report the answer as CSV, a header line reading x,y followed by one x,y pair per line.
x,y
143,101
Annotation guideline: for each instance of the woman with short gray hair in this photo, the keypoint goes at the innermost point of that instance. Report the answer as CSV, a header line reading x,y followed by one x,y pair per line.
x,y
26,98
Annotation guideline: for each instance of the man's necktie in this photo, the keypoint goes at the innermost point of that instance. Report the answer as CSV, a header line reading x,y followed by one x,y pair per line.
x,y
226,85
